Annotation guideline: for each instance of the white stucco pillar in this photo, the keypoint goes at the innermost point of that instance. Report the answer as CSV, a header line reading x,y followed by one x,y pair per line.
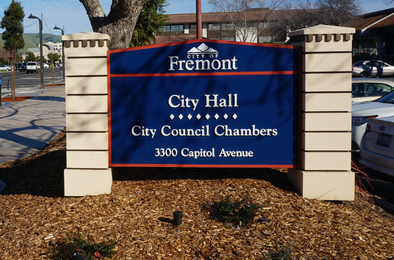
x,y
87,171
325,171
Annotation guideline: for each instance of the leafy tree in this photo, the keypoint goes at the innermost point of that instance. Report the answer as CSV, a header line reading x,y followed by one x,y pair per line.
x,y
30,56
53,56
12,23
150,23
3,54
245,18
119,23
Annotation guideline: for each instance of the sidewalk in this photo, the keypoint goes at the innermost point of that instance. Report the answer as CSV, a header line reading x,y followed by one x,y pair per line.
x,y
27,126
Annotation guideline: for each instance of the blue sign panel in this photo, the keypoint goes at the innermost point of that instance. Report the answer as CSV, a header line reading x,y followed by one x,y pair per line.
x,y
204,103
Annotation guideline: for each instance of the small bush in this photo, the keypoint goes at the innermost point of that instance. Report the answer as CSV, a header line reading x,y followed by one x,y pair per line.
x,y
238,211
281,253
73,247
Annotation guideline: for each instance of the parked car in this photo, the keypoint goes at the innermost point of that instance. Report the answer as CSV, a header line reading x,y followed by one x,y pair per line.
x,y
18,65
4,67
368,89
368,68
377,145
32,67
23,66
364,111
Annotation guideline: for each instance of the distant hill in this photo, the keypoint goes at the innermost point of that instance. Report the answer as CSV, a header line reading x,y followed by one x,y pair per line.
x,y
33,39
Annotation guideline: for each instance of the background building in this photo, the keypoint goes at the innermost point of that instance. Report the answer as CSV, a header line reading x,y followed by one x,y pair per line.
x,y
48,47
218,26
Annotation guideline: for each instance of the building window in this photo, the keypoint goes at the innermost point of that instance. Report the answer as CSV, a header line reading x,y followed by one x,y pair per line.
x,y
228,39
228,26
177,28
263,25
193,27
265,39
279,39
214,26
167,28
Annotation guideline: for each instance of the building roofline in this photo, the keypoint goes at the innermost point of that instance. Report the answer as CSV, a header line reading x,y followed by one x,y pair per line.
x,y
380,12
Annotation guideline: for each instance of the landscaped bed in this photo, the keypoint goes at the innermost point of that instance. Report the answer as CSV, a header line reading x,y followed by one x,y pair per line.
x,y
137,215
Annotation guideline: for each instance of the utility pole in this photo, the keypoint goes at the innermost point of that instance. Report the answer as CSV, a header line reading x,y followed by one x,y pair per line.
x,y
198,19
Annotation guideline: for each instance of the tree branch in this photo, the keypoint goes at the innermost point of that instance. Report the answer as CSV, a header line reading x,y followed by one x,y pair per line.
x,y
95,13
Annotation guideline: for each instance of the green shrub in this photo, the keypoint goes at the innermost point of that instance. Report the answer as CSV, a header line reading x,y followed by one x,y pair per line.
x,y
281,253
73,247
237,211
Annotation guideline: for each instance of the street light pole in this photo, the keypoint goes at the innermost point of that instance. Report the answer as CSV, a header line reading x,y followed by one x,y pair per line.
x,y
64,65
41,54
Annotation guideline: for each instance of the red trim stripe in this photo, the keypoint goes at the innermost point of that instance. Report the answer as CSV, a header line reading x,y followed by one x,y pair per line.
x,y
205,40
201,165
245,73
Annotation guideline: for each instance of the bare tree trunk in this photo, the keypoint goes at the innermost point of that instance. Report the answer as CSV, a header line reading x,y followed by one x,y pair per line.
x,y
120,22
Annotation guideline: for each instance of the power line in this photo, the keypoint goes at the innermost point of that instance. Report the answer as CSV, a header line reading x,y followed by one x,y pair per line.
x,y
47,25
16,25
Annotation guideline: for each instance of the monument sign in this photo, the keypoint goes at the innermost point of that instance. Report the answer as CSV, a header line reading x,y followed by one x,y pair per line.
x,y
204,103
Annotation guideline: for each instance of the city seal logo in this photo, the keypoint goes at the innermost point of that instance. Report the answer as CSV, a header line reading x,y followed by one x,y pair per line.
x,y
201,58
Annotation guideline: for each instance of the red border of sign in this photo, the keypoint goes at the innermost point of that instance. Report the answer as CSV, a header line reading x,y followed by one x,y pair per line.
x,y
109,76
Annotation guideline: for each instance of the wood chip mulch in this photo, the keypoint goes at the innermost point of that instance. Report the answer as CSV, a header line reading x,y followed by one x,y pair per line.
x,y
137,215
16,99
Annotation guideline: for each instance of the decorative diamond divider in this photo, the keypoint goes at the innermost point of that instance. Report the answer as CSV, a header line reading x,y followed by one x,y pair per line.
x,y
207,116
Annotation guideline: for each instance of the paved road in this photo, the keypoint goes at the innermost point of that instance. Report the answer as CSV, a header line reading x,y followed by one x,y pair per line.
x,y
26,81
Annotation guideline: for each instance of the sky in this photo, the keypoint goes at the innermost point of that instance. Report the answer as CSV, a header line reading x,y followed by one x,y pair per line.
x,y
71,15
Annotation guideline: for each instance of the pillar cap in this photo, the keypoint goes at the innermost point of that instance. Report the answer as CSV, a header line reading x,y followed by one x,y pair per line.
x,y
323,29
85,36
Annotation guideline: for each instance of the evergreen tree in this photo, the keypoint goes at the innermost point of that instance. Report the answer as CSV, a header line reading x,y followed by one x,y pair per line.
x,y
150,23
12,22
13,35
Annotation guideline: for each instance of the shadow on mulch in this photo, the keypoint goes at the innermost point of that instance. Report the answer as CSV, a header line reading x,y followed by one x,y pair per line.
x,y
42,174
274,176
